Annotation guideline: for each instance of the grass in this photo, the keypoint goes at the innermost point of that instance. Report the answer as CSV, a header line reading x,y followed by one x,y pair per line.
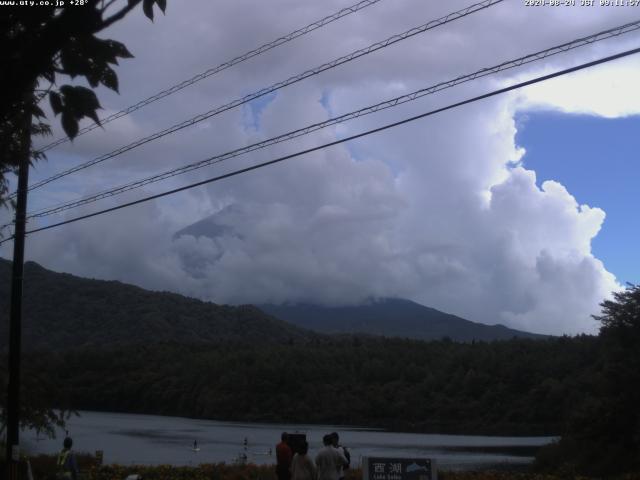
x,y
43,467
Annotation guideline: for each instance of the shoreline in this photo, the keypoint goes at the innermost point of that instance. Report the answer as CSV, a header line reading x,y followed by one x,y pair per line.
x,y
512,431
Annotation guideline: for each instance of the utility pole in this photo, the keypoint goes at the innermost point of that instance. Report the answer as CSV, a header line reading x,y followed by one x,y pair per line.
x,y
15,318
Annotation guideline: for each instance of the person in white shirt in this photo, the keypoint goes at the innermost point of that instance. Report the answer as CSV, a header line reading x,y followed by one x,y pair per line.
x,y
335,441
329,460
302,467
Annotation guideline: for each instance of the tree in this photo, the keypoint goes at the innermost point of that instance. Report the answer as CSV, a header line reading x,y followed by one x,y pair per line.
x,y
620,389
38,46
603,435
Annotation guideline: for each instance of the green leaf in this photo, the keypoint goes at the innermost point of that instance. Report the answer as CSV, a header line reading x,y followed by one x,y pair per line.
x,y
93,77
72,61
101,51
40,128
109,79
82,98
37,112
119,49
49,75
79,102
56,102
66,90
147,8
94,116
69,124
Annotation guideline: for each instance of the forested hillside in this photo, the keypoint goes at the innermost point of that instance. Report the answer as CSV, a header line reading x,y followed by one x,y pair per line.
x,y
62,311
392,317
518,387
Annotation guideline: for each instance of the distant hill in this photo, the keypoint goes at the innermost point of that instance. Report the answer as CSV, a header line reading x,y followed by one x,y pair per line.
x,y
392,318
62,311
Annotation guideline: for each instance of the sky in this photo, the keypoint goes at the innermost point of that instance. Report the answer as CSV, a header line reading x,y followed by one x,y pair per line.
x,y
558,144
512,210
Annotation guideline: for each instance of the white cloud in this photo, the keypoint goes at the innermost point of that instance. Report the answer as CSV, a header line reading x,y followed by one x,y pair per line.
x,y
605,91
437,211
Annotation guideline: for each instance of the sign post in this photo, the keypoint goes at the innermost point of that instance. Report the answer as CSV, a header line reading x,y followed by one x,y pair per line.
x,y
383,468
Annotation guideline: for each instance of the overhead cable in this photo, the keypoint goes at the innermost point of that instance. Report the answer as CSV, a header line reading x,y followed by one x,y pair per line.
x,y
277,86
223,66
343,140
533,57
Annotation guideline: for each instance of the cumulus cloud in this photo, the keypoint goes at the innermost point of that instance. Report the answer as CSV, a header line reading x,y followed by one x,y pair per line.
x,y
603,91
440,211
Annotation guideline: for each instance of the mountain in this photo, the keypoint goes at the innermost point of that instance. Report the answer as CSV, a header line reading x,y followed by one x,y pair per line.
x,y
63,311
392,318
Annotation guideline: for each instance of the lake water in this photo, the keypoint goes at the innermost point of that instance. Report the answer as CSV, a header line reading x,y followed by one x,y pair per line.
x,y
152,440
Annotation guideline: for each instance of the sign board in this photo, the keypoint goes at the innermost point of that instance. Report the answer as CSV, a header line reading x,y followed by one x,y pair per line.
x,y
384,468
15,453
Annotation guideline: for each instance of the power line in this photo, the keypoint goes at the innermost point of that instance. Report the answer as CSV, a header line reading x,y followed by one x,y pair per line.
x,y
612,32
223,66
336,142
277,86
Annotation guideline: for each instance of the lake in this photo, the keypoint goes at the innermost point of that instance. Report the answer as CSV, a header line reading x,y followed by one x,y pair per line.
x,y
152,440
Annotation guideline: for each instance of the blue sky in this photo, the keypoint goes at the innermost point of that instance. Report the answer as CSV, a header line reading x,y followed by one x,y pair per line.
x,y
597,160
255,109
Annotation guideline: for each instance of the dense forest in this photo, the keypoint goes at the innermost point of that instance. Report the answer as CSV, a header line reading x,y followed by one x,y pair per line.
x,y
62,311
512,387
169,355
585,388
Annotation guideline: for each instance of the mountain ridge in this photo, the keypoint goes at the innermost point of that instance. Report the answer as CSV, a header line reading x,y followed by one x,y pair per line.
x,y
392,317
63,311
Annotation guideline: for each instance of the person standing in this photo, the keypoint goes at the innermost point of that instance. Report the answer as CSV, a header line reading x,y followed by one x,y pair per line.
x,y
66,464
284,455
329,460
335,441
302,467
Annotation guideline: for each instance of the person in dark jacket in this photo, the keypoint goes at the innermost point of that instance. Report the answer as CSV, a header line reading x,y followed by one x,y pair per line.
x,y
284,455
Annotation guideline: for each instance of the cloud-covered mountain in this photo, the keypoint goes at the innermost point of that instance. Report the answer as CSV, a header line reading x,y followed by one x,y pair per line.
x,y
62,311
391,318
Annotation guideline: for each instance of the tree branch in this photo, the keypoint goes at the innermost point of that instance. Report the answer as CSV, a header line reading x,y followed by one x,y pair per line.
x,y
105,7
119,15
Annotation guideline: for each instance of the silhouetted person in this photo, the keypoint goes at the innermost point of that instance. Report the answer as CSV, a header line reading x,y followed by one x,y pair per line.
x,y
66,464
335,440
302,467
329,460
284,455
